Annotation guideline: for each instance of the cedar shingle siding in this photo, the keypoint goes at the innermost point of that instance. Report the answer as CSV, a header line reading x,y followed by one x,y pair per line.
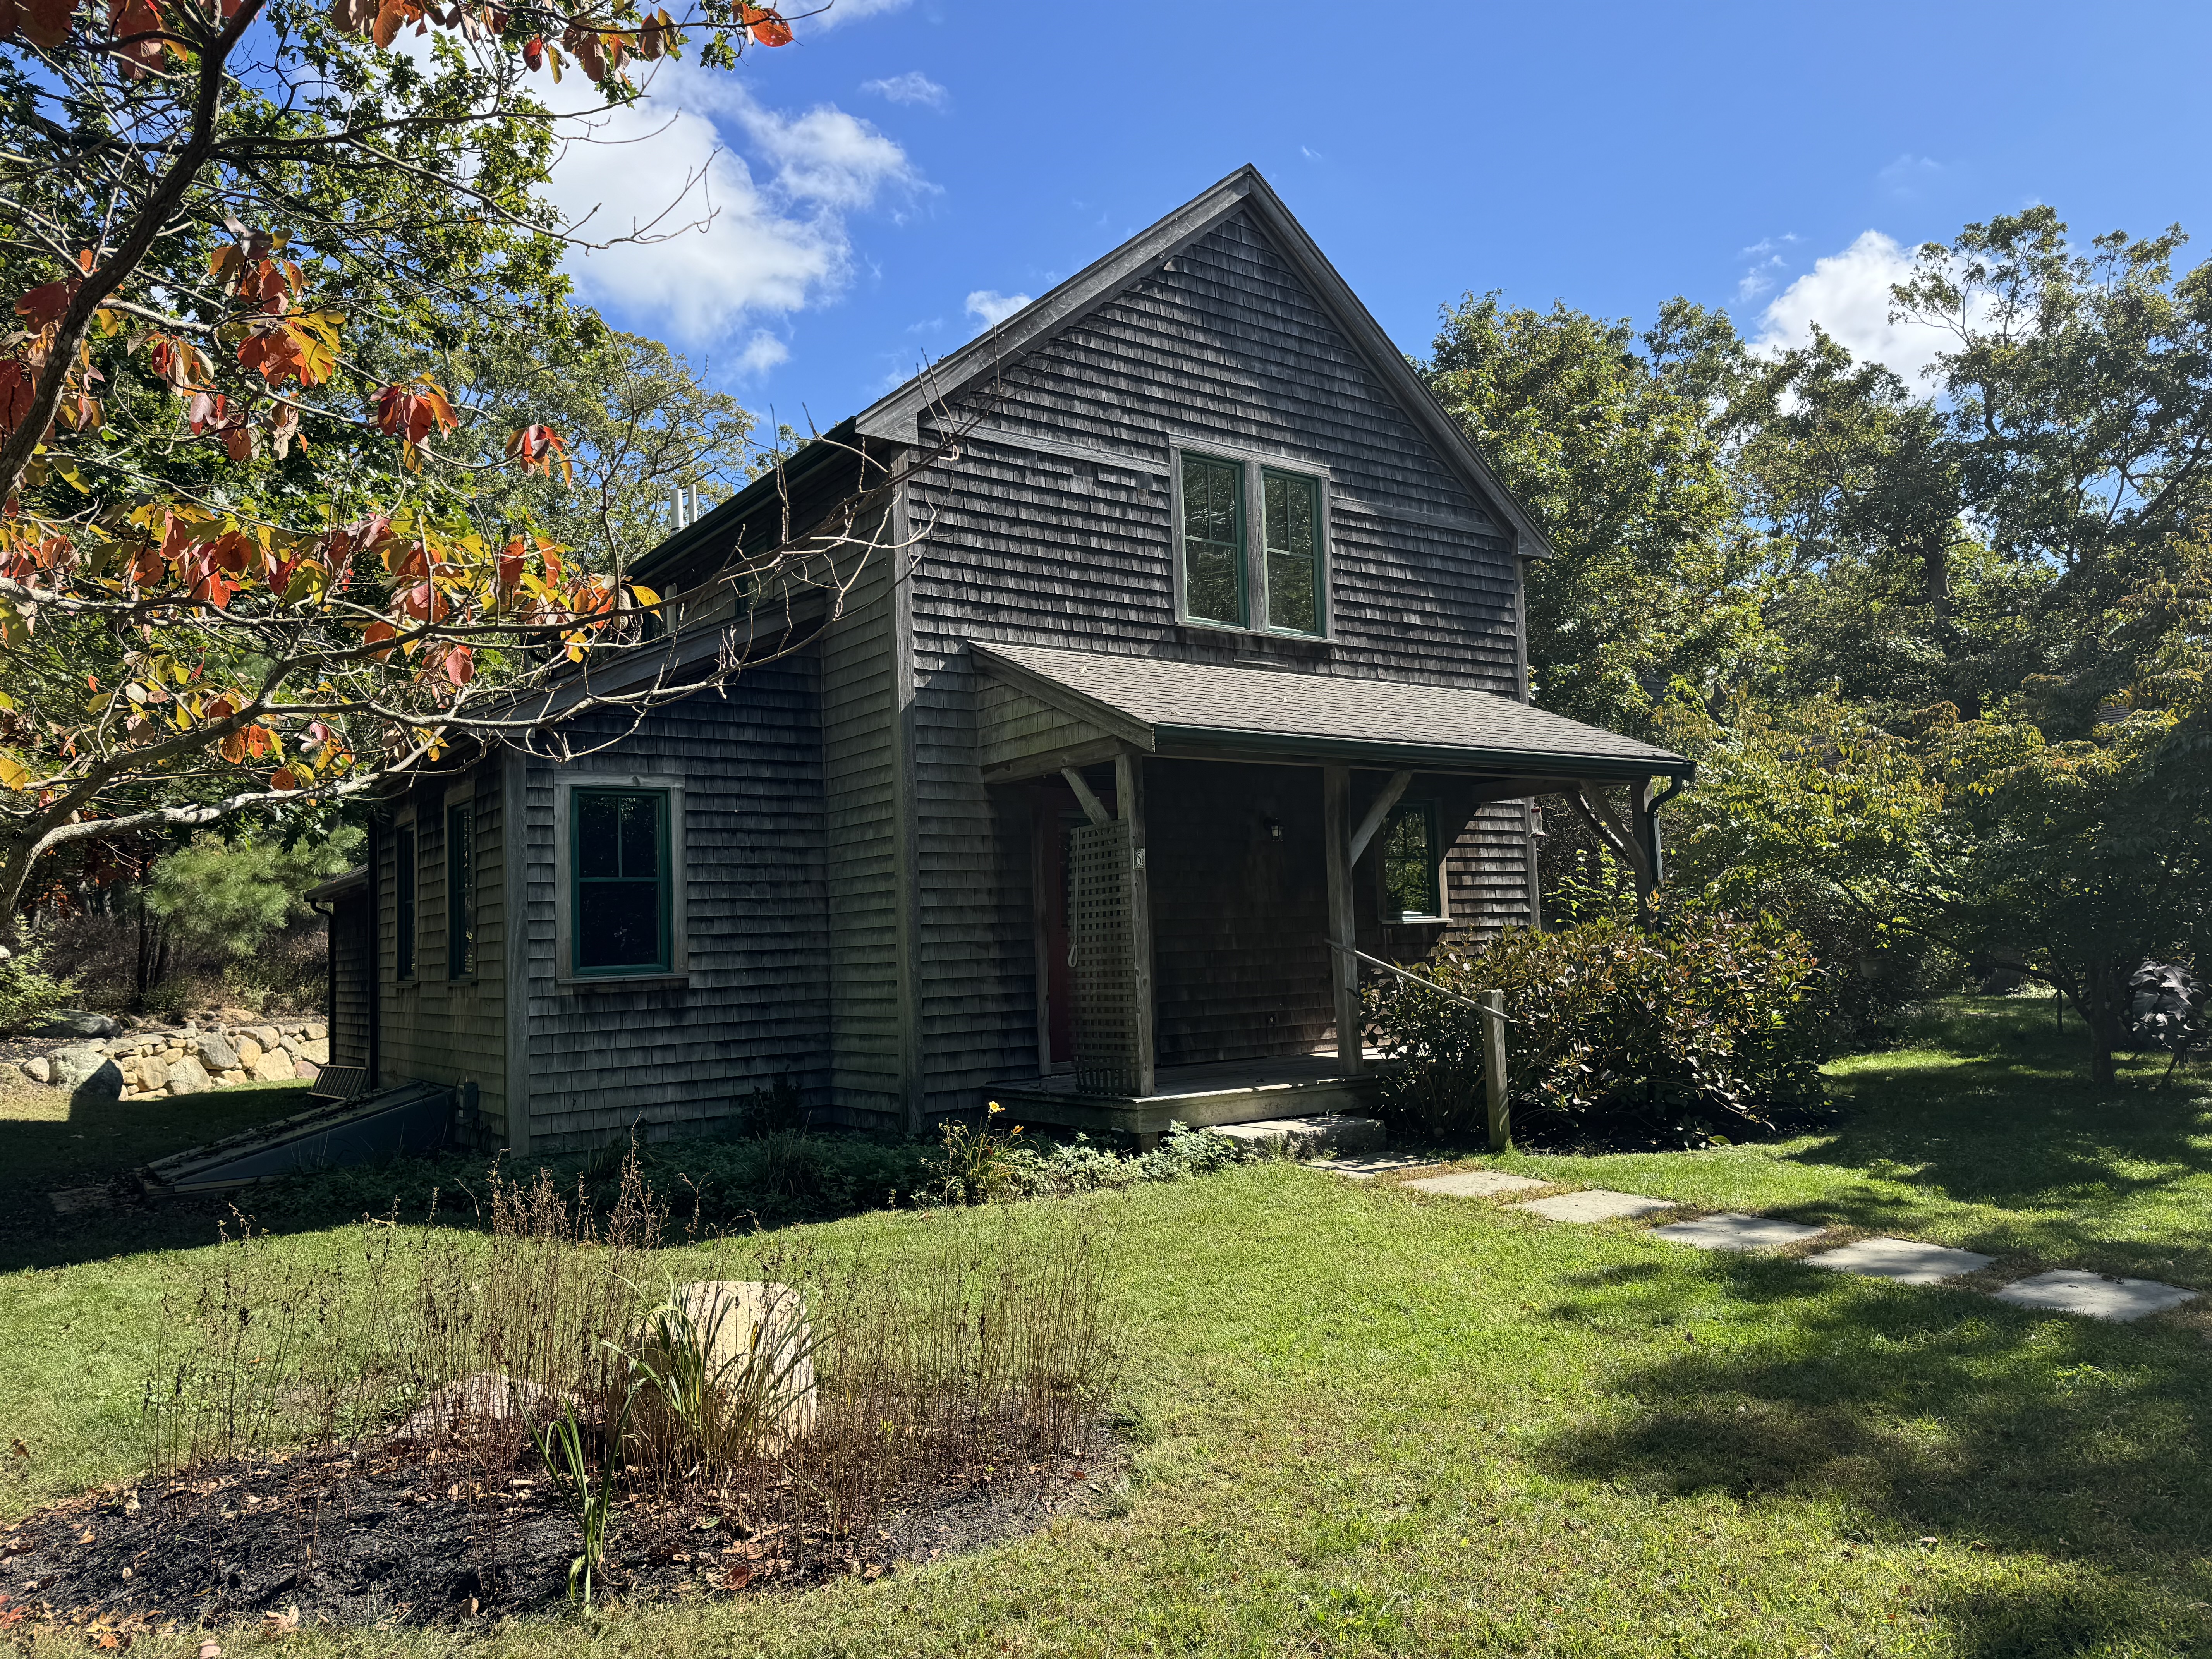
x,y
861,913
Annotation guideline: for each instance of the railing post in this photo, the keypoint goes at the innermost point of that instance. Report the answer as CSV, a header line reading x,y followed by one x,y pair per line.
x,y
1493,1070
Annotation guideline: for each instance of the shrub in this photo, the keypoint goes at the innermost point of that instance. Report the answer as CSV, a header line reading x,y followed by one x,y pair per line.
x,y
1700,1017
27,993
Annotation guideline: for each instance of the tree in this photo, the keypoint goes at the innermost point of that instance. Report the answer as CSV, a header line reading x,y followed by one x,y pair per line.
x,y
639,427
239,568
1615,450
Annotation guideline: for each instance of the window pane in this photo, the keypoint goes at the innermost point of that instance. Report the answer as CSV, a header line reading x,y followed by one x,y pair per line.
x,y
618,924
598,851
460,892
403,894
1214,541
1293,597
1409,864
1293,564
640,835
1212,573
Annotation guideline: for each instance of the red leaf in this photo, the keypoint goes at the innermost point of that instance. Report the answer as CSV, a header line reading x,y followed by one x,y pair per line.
x,y
510,564
284,778
533,51
45,22
15,394
45,305
461,664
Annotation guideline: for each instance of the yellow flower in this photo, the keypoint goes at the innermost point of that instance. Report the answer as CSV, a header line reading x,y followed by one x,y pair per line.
x,y
996,1107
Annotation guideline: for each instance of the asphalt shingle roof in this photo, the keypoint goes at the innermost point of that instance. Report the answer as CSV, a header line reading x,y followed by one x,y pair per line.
x,y
1212,705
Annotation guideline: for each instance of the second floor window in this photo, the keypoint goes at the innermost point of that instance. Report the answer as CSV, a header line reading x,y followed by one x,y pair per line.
x,y
1213,540
1255,546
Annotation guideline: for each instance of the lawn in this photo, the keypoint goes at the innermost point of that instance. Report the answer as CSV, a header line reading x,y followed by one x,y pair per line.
x,y
1362,1420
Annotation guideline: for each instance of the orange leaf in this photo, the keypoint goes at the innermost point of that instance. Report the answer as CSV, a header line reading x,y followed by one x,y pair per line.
x,y
284,778
767,24
377,633
461,664
46,22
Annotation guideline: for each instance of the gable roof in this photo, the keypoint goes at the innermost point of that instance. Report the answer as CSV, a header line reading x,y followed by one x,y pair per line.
x,y
896,415
1167,705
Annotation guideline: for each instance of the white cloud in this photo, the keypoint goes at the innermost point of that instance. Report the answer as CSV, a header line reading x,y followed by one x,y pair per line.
x,y
912,87
991,307
852,11
1848,295
761,353
726,240
1903,177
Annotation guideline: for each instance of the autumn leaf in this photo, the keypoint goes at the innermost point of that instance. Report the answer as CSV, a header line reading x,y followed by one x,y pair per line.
x,y
461,664
766,25
533,52
377,634
44,23
43,306
13,776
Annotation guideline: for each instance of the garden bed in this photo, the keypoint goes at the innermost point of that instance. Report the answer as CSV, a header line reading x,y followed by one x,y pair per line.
x,y
356,1536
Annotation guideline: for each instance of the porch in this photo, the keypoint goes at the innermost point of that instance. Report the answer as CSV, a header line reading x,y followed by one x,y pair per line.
x,y
1213,848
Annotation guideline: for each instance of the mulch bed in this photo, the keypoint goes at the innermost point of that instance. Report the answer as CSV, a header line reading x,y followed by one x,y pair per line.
x,y
366,1536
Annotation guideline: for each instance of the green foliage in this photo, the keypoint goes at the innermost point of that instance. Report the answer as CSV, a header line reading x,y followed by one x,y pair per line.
x,y
590,1493
1612,445
27,993
976,1165
1701,1017
228,893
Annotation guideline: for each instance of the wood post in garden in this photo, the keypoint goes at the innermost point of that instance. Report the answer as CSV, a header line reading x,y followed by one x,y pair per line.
x,y
1493,1070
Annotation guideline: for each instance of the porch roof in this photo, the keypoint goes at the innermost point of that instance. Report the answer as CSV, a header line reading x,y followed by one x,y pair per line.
x,y
1168,706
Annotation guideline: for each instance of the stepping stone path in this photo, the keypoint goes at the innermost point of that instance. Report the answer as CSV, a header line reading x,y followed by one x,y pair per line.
x,y
1366,1169
1902,1261
2095,1296
1731,1232
1593,1204
1477,1184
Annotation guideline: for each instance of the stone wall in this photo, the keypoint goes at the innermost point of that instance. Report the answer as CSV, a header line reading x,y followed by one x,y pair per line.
x,y
195,1058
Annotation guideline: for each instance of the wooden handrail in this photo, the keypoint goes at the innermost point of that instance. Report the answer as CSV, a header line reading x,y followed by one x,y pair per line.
x,y
1425,984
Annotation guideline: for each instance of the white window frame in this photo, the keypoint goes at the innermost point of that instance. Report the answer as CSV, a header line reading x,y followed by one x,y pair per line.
x,y
678,972
1255,466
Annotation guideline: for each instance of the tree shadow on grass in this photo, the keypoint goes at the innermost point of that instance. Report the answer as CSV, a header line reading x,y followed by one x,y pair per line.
x,y
1933,1415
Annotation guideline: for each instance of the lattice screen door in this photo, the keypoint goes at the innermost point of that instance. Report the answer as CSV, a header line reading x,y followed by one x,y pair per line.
x,y
1101,930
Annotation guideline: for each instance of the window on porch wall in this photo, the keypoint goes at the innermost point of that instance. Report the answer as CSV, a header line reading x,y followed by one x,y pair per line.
x,y
1413,864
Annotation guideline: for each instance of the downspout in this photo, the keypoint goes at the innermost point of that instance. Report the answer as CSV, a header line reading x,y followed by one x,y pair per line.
x,y
1651,825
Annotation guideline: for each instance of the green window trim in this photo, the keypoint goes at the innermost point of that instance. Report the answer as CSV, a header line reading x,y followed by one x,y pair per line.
x,y
619,883
1413,864
461,890
403,903
1212,497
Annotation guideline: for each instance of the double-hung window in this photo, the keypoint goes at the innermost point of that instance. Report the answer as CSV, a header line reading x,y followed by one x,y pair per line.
x,y
1253,545
1413,864
403,903
621,879
461,890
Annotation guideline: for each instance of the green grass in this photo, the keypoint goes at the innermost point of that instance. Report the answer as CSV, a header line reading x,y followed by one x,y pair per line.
x,y
1367,1420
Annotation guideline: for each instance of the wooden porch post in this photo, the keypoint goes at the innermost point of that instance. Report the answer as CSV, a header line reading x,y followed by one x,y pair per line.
x,y
1343,966
1129,802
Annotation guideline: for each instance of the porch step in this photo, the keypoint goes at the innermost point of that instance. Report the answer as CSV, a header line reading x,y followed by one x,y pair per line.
x,y
1331,1133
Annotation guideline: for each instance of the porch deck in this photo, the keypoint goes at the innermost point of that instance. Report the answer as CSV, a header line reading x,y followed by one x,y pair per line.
x,y
1224,1091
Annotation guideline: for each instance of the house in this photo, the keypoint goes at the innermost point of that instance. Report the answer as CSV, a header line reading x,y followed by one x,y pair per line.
x,y
1193,667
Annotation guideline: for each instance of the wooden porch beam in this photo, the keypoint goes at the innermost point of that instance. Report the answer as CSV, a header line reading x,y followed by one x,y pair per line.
x,y
1129,797
1093,808
1392,792
1343,964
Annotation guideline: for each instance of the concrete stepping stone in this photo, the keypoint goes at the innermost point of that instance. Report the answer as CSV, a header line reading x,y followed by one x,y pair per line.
x,y
1903,1260
1366,1169
1476,1183
2095,1296
1331,1133
1595,1205
1732,1232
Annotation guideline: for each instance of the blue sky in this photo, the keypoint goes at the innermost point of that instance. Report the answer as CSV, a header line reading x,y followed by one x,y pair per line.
x,y
910,166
